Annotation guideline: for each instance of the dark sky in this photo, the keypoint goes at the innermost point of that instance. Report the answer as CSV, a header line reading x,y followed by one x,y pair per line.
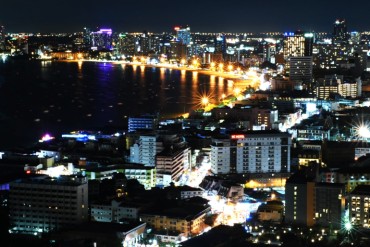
x,y
201,15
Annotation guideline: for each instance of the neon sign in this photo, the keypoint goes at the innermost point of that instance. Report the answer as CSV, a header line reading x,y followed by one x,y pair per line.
x,y
237,137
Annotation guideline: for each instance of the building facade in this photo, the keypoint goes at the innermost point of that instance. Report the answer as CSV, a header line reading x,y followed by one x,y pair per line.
x,y
44,204
144,122
329,204
114,212
172,162
308,203
145,150
359,206
251,152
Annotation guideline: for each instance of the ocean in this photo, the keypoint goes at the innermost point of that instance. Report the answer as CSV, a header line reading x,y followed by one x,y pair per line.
x,y
38,97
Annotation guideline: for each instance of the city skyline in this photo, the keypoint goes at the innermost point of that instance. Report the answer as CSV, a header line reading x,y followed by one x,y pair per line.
x,y
210,16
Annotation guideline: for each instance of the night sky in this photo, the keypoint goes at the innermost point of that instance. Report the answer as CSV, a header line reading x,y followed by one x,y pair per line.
x,y
201,15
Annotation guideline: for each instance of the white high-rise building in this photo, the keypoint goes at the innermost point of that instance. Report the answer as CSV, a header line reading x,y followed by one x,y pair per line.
x,y
144,151
252,152
43,204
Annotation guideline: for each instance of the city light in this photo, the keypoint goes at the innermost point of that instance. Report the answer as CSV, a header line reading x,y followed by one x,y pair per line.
x,y
205,101
46,137
364,131
348,226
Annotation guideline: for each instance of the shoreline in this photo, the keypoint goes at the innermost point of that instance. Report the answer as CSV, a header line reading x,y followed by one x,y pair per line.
x,y
236,79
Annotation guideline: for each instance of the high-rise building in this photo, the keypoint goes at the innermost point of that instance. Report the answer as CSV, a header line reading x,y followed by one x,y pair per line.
x,y
172,163
308,203
329,204
183,35
2,38
359,206
145,150
300,69
144,43
340,34
87,38
101,39
43,204
251,152
220,44
126,44
297,44
297,51
299,200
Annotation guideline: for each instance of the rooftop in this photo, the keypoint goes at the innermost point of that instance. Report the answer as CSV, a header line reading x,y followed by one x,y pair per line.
x,y
361,190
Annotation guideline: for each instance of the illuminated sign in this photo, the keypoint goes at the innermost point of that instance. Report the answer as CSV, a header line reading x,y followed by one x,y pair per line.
x,y
177,28
237,137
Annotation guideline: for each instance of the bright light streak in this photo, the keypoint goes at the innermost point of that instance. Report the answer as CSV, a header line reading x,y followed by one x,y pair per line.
x,y
46,138
363,131
205,101
348,226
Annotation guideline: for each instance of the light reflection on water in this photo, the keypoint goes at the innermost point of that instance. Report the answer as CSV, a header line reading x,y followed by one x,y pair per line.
x,y
36,97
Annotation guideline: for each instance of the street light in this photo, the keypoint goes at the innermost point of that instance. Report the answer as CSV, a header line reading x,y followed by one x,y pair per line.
x,y
195,63
230,68
221,66
205,101
237,91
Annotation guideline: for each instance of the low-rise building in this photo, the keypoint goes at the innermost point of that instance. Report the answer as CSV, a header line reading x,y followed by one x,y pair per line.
x,y
115,211
186,219
183,192
271,211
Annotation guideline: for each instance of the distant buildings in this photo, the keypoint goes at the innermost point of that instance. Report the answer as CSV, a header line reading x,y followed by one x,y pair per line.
x,y
101,39
2,38
297,51
297,44
183,35
340,33
144,122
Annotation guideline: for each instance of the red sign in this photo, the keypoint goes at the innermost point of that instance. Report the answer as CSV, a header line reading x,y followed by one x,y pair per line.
x,y
237,136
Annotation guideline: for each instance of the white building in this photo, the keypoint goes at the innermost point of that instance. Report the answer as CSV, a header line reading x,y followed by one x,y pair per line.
x,y
145,175
252,152
144,151
337,84
113,212
43,204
